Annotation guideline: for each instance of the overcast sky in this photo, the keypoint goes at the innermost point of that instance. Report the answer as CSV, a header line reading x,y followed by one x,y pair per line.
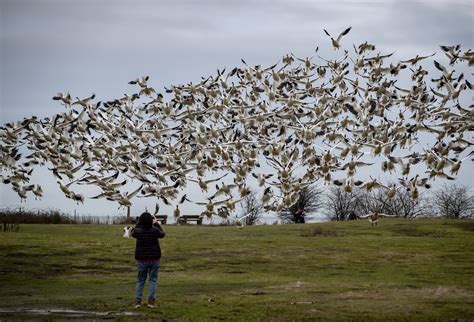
x,y
98,46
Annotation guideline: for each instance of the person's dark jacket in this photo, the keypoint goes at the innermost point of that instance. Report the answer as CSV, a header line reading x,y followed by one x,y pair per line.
x,y
147,246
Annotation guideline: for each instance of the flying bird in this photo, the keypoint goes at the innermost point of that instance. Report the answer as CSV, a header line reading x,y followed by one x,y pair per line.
x,y
336,42
309,118
375,216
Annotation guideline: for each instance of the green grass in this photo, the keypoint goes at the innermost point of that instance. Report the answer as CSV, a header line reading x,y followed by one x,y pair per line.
x,y
421,270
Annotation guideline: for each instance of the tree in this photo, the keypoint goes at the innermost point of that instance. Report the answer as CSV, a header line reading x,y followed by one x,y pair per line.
x,y
252,207
370,201
454,201
404,206
310,200
401,205
341,205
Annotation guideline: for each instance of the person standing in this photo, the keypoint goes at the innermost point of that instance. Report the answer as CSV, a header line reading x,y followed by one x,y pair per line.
x,y
299,216
148,255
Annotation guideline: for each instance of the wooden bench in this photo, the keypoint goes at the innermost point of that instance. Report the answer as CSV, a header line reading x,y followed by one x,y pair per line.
x,y
162,218
184,219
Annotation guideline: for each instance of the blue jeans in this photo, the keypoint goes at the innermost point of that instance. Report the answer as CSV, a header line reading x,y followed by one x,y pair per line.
x,y
144,269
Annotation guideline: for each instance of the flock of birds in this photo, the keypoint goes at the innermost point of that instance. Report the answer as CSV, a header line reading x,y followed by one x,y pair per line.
x,y
284,127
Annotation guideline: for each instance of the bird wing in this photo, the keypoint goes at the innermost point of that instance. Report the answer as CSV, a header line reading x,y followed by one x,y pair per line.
x,y
222,201
423,57
102,195
345,32
243,217
440,67
216,179
126,232
385,215
361,164
132,194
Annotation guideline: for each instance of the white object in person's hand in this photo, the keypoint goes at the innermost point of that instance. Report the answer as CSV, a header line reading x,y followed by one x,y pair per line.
x,y
126,232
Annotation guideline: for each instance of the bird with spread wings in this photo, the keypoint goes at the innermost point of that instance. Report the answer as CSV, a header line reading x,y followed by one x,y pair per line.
x,y
375,216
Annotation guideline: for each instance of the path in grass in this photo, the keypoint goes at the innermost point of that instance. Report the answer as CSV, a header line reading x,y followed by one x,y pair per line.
x,y
419,269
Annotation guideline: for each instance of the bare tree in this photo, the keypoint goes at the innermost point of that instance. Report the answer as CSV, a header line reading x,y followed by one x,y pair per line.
x,y
252,207
341,205
370,201
404,206
401,205
454,201
310,200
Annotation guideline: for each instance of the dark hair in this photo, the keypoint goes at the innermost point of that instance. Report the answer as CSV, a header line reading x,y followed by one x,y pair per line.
x,y
145,220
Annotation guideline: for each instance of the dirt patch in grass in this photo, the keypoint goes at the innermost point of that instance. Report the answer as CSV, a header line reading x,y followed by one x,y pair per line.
x,y
354,296
68,313
441,292
320,232
257,293
35,254
294,286
425,293
414,232
95,259
99,269
466,225
17,254
58,268
235,272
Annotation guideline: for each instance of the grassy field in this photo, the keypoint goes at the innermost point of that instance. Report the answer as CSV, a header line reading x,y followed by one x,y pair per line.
x,y
422,270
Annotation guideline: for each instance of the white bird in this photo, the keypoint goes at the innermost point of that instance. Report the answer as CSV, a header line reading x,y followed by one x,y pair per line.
x,y
124,200
261,178
375,216
231,121
203,183
240,222
85,101
126,232
336,42
176,212
37,191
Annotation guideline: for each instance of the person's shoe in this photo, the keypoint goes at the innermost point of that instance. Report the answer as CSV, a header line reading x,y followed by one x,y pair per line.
x,y
137,304
151,304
